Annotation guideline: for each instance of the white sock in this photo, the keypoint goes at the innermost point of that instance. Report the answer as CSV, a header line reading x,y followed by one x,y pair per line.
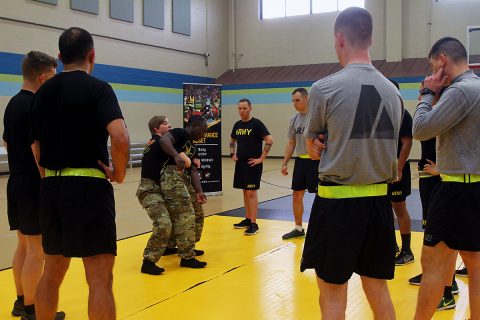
x,y
299,228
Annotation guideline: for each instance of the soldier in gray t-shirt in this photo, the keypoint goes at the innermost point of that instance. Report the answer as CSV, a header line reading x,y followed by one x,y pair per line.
x,y
357,112
453,215
305,171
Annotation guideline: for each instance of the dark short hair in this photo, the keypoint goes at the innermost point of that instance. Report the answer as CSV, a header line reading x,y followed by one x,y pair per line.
x,y
303,92
35,63
74,45
155,122
245,100
356,24
450,47
395,83
196,121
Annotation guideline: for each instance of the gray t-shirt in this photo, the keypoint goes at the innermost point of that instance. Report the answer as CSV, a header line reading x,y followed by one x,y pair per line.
x,y
360,111
295,132
455,121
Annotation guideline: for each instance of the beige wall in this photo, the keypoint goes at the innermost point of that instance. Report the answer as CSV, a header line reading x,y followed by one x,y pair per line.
x,y
309,39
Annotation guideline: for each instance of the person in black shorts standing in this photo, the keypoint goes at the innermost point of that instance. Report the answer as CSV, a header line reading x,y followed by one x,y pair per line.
x,y
353,123
24,182
74,114
305,171
402,188
247,135
453,221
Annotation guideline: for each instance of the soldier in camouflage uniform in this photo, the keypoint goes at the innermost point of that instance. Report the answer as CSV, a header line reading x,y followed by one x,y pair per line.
x,y
150,197
182,192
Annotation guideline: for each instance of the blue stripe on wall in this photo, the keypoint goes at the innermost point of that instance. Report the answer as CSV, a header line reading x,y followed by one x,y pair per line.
x,y
10,63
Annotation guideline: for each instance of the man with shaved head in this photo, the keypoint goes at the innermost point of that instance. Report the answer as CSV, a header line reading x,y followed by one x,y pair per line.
x,y
352,126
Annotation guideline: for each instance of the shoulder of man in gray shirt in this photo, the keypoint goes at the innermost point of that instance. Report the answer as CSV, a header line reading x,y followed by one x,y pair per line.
x,y
455,122
360,111
296,129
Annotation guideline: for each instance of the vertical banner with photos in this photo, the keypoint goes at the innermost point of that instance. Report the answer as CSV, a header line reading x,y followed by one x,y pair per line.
x,y
206,100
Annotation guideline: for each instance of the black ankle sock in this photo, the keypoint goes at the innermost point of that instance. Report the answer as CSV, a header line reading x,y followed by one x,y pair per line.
x,y
406,242
30,309
447,292
249,220
20,298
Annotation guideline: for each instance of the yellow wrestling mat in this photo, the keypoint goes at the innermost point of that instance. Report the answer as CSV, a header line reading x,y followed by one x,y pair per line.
x,y
253,277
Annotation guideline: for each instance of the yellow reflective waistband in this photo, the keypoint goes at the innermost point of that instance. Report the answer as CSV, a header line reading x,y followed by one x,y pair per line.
x,y
76,172
463,178
360,191
303,156
423,174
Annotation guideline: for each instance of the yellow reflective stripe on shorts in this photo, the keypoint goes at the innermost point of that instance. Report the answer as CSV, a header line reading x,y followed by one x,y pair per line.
x,y
360,191
463,178
303,156
76,172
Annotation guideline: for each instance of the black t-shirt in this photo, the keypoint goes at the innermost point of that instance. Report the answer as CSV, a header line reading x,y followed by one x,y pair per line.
x,y
405,130
71,113
153,155
249,136
155,158
428,152
17,123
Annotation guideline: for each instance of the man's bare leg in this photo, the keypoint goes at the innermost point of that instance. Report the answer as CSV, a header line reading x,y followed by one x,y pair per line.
x,y
436,269
298,206
32,268
99,273
472,262
378,297
333,300
18,261
47,292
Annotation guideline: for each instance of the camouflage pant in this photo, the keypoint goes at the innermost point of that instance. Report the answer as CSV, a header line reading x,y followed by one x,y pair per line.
x,y
199,214
179,204
150,197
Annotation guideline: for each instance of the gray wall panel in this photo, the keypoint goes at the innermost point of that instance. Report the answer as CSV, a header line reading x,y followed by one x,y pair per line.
x,y
154,13
181,18
90,6
121,10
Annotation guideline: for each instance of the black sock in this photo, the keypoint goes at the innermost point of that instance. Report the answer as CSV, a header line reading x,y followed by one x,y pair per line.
x,y
249,220
20,298
30,309
447,292
406,242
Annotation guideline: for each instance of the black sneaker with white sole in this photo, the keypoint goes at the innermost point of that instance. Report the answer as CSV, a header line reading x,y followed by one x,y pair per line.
x,y
251,230
404,258
245,223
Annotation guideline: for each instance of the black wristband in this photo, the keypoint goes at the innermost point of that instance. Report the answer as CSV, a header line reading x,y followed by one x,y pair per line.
x,y
231,154
426,91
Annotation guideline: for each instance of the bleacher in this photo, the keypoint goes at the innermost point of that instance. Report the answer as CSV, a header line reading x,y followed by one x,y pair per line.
x,y
136,154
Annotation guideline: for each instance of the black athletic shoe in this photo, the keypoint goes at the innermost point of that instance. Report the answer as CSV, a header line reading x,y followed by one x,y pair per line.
x,y
199,252
168,251
404,258
462,272
245,223
18,308
415,280
151,268
293,234
192,263
455,289
251,230
60,315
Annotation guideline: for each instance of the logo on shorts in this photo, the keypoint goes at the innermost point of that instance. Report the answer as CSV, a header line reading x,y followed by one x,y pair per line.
x,y
428,237
250,186
397,193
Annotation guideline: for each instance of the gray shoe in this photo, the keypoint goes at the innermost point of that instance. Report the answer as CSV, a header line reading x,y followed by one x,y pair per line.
x,y
293,234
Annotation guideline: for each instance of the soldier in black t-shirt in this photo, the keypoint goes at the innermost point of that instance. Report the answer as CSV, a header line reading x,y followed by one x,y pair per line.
x,y
74,115
180,190
24,181
248,135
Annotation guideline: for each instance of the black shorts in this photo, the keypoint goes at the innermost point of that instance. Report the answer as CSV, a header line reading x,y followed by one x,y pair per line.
x,y
247,177
350,235
454,217
77,216
399,191
22,203
305,175
426,186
